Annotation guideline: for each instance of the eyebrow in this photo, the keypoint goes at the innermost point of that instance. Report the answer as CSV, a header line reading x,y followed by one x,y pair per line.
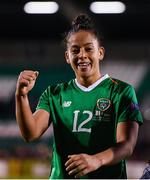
x,y
88,44
73,46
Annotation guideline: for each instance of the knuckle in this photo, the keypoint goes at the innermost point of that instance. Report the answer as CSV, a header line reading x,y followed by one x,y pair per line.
x,y
82,155
75,163
85,171
25,71
82,173
21,73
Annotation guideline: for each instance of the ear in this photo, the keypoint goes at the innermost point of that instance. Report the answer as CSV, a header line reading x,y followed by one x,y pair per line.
x,y
101,53
67,57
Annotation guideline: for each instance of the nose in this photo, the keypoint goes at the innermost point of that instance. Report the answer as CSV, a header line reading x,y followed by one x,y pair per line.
x,y
82,54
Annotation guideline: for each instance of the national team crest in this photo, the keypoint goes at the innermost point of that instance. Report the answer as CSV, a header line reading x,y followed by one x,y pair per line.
x,y
103,104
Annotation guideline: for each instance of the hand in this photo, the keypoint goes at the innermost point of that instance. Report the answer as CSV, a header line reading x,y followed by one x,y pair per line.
x,y
81,164
26,81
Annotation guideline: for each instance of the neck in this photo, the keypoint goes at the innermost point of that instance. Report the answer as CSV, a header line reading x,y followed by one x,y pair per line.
x,y
87,81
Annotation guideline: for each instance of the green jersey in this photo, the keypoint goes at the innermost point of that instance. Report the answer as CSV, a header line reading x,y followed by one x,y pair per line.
x,y
85,121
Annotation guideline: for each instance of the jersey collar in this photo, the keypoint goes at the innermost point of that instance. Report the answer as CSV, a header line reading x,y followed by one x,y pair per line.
x,y
87,89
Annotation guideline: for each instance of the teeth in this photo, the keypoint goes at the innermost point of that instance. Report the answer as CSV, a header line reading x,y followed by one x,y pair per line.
x,y
83,64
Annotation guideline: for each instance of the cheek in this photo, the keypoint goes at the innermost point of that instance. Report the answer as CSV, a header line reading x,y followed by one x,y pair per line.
x,y
73,60
96,62
96,57
72,63
71,57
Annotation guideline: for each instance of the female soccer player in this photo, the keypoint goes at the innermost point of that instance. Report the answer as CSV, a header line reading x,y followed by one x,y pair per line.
x,y
95,118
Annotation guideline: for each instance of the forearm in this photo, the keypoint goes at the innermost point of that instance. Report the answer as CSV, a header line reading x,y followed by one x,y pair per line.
x,y
114,154
127,133
24,117
126,139
111,156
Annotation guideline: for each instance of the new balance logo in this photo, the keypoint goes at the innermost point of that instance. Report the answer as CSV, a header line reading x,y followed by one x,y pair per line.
x,y
66,103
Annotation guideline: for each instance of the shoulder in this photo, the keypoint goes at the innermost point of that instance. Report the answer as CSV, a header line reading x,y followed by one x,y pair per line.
x,y
120,86
119,83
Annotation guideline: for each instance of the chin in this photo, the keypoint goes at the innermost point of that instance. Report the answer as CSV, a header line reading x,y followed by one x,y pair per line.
x,y
85,74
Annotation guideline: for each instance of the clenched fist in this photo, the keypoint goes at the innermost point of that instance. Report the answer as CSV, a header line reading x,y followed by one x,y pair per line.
x,y
26,82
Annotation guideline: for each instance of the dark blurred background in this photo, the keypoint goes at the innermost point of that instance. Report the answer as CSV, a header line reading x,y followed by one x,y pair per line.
x,y
35,41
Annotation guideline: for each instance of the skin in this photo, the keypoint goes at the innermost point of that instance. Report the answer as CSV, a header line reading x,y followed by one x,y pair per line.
x,y
32,125
83,54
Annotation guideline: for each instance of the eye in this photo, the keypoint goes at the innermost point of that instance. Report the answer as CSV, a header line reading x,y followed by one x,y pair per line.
x,y
89,49
75,51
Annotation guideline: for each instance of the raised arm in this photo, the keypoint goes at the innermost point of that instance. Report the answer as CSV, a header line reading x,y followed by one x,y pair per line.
x,y
81,164
32,125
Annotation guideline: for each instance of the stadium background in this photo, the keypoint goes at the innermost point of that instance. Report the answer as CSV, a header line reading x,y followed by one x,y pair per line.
x,y
35,42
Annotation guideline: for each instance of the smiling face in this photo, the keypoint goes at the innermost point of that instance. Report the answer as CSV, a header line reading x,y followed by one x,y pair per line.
x,y
83,54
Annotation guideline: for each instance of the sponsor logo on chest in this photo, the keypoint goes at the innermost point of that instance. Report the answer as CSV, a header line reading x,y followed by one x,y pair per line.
x,y
66,103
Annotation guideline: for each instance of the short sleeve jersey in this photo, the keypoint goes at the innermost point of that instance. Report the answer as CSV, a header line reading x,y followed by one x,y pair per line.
x,y
86,122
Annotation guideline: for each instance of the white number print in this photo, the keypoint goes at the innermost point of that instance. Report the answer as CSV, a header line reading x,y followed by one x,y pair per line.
x,y
80,128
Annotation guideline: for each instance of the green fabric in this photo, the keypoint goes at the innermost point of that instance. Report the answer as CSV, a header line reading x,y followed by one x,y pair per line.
x,y
85,122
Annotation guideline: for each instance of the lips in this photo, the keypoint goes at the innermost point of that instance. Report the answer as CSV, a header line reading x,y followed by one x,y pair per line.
x,y
83,64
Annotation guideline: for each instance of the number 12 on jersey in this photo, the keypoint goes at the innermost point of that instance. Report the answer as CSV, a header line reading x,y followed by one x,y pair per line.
x,y
80,127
